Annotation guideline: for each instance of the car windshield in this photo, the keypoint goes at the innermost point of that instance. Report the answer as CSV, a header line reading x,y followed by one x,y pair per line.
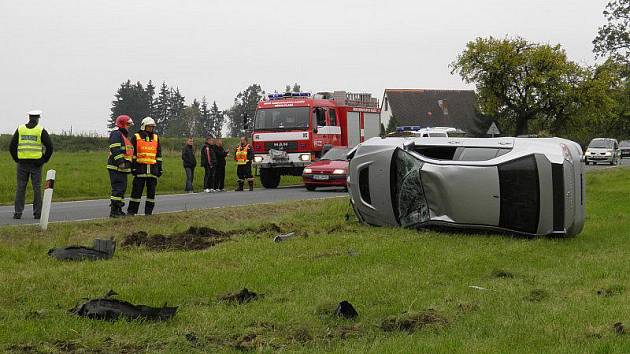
x,y
624,143
282,118
437,134
408,200
606,144
336,154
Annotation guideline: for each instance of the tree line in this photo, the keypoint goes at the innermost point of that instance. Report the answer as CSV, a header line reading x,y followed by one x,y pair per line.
x,y
176,118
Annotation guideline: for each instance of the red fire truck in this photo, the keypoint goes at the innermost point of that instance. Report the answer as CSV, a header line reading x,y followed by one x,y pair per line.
x,y
292,129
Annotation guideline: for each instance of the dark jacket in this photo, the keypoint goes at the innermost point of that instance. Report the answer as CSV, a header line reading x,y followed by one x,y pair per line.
x,y
45,141
188,156
208,156
221,154
116,160
144,170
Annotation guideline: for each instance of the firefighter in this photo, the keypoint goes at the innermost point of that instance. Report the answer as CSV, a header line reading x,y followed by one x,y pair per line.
x,y
146,168
119,164
244,156
30,148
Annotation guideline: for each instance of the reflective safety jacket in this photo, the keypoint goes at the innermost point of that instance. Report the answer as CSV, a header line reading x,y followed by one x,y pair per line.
x,y
120,151
147,155
243,154
146,151
30,145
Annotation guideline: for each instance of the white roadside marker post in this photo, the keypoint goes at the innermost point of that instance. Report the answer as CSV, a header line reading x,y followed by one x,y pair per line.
x,y
47,201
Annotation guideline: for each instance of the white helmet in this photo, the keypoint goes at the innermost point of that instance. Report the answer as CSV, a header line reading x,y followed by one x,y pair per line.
x,y
147,121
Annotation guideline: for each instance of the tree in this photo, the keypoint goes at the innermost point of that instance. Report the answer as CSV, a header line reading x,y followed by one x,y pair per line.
x,y
295,88
392,125
132,100
176,124
205,121
517,81
241,114
217,118
613,38
162,108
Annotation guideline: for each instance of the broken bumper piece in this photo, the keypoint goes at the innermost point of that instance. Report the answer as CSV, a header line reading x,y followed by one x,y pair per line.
x,y
109,309
102,249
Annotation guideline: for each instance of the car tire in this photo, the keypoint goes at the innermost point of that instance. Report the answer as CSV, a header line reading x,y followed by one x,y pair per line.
x,y
586,162
310,188
269,178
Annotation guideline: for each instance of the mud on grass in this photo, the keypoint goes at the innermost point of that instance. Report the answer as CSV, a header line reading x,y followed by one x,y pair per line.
x,y
195,238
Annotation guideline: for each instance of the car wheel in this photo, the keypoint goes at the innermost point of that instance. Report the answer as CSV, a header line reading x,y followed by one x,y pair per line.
x,y
269,178
586,162
310,188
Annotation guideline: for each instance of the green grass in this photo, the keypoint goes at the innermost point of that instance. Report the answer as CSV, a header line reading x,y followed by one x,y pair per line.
x,y
550,304
83,175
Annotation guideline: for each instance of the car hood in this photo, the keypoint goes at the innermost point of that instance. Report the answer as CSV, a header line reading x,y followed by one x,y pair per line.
x,y
328,165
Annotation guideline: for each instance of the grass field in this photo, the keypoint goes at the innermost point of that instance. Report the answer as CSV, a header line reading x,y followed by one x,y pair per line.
x,y
544,295
83,175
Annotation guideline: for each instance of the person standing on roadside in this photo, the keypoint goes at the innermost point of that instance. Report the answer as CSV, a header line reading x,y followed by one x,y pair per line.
x,y
119,164
208,162
30,148
219,176
190,162
243,156
146,168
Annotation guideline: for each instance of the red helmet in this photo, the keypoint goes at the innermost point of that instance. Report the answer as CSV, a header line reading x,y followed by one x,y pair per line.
x,y
122,121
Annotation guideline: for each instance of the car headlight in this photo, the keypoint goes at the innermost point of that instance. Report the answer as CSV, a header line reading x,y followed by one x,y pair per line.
x,y
339,172
258,158
308,170
305,157
608,153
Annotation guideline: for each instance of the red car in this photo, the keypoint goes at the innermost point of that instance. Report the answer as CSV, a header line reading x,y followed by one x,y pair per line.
x,y
329,171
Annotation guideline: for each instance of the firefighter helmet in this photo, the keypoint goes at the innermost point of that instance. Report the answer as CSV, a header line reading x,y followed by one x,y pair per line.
x,y
122,121
147,121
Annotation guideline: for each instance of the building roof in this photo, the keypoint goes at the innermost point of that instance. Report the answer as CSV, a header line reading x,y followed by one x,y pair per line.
x,y
435,108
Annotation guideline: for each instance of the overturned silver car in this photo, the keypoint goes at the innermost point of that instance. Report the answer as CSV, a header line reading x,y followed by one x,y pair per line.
x,y
527,186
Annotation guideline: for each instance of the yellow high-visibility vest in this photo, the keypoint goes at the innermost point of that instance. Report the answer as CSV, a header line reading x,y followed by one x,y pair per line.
x,y
146,150
241,154
30,145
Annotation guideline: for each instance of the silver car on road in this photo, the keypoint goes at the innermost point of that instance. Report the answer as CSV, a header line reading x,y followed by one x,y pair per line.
x,y
528,186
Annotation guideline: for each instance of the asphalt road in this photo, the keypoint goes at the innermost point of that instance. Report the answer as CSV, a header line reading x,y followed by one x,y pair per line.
x,y
96,209
622,163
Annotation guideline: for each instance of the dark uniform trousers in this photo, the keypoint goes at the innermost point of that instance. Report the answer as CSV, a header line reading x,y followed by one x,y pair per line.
x,y
244,172
118,181
219,177
136,194
24,172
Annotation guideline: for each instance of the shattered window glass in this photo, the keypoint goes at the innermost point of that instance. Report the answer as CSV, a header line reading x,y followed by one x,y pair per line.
x,y
408,193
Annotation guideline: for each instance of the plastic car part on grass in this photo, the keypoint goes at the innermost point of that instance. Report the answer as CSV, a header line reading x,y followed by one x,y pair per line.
x,y
101,249
108,309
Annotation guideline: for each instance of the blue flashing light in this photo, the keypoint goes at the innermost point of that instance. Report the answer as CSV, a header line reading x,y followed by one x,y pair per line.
x,y
280,96
406,128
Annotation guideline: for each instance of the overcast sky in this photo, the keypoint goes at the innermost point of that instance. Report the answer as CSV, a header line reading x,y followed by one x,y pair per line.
x,y
68,57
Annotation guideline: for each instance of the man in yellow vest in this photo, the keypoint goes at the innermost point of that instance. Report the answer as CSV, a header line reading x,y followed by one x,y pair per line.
x,y
244,156
146,168
30,148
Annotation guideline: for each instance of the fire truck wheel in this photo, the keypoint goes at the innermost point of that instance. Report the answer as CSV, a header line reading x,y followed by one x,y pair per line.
x,y
269,178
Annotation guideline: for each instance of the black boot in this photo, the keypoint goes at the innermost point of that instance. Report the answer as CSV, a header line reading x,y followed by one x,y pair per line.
x,y
240,186
113,213
251,185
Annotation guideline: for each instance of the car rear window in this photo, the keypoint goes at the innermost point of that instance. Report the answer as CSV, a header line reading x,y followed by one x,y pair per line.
x,y
406,190
364,185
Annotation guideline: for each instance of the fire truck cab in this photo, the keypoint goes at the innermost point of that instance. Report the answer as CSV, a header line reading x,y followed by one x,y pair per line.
x,y
292,129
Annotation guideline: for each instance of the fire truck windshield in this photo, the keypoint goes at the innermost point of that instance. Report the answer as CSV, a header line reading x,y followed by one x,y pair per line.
x,y
282,118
